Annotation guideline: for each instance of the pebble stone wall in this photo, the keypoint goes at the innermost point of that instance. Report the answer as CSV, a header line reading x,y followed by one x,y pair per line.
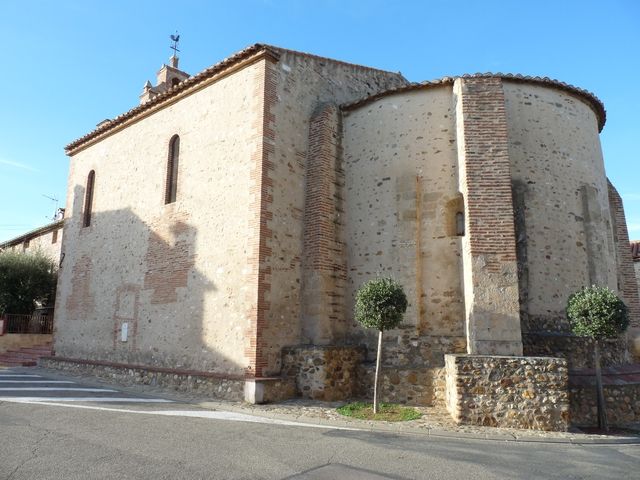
x,y
622,404
513,392
323,372
217,387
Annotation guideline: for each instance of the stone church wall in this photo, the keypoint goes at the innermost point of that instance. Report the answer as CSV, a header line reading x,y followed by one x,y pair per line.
x,y
563,223
401,202
176,274
303,83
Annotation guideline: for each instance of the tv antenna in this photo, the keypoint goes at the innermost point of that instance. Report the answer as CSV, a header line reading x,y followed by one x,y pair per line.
x,y
55,200
175,39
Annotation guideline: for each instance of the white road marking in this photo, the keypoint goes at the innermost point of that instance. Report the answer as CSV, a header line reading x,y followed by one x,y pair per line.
x,y
6,375
36,381
51,389
43,400
214,415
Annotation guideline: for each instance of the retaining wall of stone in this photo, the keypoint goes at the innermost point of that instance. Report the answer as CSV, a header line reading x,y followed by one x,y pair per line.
x,y
323,372
622,404
197,383
578,351
411,386
514,392
621,392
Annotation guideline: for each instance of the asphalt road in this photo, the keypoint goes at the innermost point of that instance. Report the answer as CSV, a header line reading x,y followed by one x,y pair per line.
x,y
68,434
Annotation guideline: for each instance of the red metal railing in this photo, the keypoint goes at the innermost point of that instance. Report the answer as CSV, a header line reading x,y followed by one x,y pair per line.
x,y
35,323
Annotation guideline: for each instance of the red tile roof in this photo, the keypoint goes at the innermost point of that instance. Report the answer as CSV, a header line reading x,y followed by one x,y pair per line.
x,y
256,50
593,101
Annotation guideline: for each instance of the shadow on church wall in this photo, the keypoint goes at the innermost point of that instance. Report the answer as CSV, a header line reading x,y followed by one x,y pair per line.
x,y
130,292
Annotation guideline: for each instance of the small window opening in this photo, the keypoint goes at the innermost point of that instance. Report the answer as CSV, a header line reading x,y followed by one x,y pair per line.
x,y
54,236
171,187
460,224
174,82
88,199
25,245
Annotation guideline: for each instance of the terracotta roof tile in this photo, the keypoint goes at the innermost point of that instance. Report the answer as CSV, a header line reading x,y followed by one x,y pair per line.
x,y
590,98
174,91
32,234
190,82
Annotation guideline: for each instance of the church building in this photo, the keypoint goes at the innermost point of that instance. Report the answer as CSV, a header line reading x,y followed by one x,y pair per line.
x,y
219,230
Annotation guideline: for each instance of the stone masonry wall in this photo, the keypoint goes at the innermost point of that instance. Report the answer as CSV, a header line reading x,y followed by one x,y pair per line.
x,y
622,401
401,201
302,83
627,281
179,275
326,373
564,228
489,245
410,386
514,392
198,384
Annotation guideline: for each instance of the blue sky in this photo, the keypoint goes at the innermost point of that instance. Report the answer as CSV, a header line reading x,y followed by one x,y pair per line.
x,y
67,65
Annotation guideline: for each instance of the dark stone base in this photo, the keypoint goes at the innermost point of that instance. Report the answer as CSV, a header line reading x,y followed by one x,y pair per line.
x,y
578,351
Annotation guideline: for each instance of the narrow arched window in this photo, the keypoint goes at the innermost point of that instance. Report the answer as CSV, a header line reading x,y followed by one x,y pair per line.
x,y
460,224
171,186
88,198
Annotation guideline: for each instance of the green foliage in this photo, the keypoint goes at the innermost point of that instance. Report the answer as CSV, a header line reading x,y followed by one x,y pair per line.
x,y
380,303
597,312
387,412
24,280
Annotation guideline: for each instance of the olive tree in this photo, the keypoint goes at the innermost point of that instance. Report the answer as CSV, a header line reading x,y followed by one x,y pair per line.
x,y
24,280
597,313
380,304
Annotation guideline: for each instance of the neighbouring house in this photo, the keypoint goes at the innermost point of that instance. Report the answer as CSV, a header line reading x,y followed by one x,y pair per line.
x,y
216,235
24,338
46,239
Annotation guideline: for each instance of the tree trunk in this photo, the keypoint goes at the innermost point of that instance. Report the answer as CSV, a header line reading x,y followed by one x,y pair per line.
x,y
375,382
602,410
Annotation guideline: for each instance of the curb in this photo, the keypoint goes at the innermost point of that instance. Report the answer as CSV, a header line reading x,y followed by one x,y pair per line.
x,y
358,425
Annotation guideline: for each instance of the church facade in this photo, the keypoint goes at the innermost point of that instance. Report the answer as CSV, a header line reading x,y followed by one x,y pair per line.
x,y
221,228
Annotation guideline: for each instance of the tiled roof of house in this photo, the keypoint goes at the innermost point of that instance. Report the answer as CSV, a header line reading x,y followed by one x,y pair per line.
x,y
590,98
635,250
32,234
189,84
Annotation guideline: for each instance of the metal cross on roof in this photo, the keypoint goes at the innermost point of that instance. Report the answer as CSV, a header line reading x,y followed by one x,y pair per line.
x,y
175,38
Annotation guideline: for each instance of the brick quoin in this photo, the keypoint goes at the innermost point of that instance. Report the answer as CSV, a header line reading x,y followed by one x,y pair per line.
x,y
627,283
490,223
259,250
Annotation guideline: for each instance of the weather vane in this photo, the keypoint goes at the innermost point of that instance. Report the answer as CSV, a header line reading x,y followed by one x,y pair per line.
x,y
175,39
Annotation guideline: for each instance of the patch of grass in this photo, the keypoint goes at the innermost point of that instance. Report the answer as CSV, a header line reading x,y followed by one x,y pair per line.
x,y
388,412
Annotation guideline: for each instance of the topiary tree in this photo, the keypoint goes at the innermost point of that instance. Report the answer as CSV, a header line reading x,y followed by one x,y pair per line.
x,y
597,313
380,304
24,280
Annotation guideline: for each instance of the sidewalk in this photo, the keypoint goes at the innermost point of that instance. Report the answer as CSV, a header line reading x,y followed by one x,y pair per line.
x,y
435,421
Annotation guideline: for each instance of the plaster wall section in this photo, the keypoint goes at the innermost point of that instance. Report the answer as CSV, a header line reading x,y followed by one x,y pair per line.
x,y
401,200
302,83
558,169
177,274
